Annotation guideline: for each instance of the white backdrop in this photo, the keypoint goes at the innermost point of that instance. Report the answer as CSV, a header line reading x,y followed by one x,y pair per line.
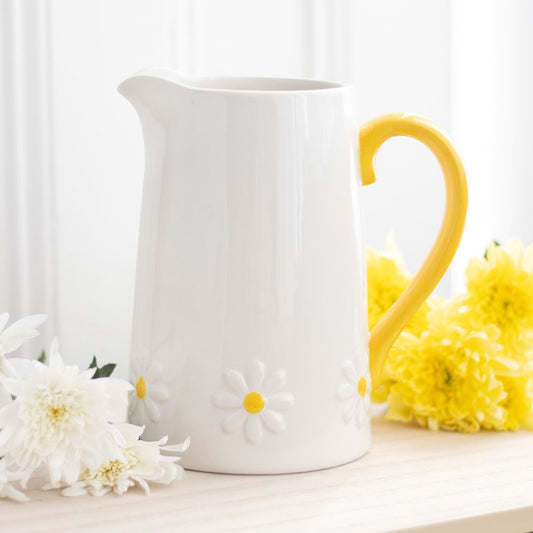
x,y
71,151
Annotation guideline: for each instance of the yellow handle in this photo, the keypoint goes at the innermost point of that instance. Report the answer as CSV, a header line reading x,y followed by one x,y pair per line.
x,y
371,136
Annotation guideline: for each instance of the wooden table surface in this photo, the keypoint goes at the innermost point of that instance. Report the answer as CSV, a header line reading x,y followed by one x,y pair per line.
x,y
411,479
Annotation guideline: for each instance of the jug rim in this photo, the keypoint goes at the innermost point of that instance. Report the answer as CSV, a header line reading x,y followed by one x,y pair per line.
x,y
244,84
263,84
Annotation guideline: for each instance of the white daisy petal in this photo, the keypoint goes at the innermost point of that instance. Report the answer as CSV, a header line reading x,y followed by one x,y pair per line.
x,y
275,422
345,391
255,375
227,400
360,417
152,409
235,381
253,429
234,421
275,381
280,401
349,409
158,393
348,369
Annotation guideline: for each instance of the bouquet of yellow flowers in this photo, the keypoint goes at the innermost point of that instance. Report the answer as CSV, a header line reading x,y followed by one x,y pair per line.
x,y
466,362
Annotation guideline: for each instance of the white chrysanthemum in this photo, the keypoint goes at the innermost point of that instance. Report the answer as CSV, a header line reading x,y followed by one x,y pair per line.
x,y
59,419
142,462
355,393
254,401
12,338
7,490
19,332
150,390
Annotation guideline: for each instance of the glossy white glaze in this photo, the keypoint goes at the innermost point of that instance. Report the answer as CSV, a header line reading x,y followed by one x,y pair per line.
x,y
250,250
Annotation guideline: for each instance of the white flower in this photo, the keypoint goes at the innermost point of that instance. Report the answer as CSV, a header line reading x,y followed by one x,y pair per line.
x,y
12,338
254,401
356,392
19,332
59,419
142,462
7,490
149,390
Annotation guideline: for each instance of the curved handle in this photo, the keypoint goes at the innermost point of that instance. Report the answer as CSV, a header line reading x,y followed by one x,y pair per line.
x,y
371,136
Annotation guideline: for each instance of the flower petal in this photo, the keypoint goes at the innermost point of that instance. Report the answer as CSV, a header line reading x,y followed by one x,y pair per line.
x,y
349,409
151,408
348,369
235,381
5,397
255,375
226,400
280,401
4,318
159,393
234,421
275,381
275,422
137,411
19,332
177,447
54,357
253,430
345,391
361,417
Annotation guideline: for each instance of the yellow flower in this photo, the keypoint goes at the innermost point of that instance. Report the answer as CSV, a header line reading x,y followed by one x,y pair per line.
x,y
447,379
500,292
467,362
518,402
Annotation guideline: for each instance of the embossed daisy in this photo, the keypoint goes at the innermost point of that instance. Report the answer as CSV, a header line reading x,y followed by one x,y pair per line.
x,y
355,392
254,401
150,391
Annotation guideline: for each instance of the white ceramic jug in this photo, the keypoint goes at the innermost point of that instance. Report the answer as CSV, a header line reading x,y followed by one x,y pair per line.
x,y
250,323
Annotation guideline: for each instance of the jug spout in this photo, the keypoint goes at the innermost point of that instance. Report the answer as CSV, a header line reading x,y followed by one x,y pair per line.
x,y
153,90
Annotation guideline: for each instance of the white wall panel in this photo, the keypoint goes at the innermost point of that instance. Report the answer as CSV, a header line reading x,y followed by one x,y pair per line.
x,y
27,191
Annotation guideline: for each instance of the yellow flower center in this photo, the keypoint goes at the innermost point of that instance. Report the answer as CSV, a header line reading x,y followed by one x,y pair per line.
x,y
361,387
56,412
140,387
254,403
107,474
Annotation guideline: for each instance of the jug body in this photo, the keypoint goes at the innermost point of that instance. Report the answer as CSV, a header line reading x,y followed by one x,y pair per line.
x,y
250,325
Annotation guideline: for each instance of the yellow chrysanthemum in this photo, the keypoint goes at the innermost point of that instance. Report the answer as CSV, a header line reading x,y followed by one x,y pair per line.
x,y
518,402
465,363
447,379
500,292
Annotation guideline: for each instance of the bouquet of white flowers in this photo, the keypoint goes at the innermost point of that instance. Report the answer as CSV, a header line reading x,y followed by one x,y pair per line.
x,y
63,425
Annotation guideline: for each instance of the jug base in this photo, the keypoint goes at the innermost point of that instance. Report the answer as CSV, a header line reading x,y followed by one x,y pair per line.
x,y
272,470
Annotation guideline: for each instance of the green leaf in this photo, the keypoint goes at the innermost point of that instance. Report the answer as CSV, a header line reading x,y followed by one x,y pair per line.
x,y
106,370
42,357
496,243
102,372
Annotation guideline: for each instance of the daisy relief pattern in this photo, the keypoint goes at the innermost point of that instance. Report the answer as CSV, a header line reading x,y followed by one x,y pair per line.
x,y
355,393
254,401
149,392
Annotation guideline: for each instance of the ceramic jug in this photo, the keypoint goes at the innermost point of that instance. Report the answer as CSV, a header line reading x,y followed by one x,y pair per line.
x,y
250,325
